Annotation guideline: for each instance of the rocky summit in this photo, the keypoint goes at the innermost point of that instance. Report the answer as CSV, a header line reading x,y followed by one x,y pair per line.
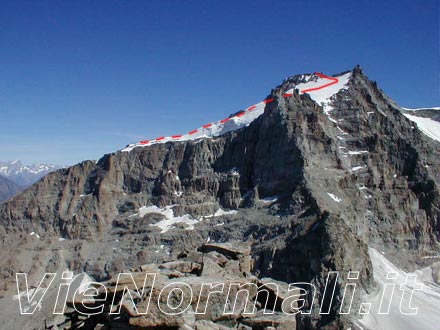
x,y
317,183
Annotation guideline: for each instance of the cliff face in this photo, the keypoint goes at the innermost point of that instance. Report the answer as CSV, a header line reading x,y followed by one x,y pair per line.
x,y
313,186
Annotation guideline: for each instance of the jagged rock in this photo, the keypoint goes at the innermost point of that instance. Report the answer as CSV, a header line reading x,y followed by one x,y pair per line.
x,y
246,265
278,293
214,265
157,319
234,250
149,268
77,288
55,320
185,327
181,266
212,269
279,321
136,280
435,268
208,325
214,308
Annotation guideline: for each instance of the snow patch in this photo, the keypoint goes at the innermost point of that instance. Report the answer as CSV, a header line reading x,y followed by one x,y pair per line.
x,y
323,96
34,234
269,200
425,297
429,127
334,197
220,212
170,220
357,168
415,109
360,152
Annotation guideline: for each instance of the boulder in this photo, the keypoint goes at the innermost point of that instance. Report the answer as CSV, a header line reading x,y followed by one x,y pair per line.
x,y
232,250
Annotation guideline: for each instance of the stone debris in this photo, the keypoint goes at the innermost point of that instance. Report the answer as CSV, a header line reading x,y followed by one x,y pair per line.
x,y
215,294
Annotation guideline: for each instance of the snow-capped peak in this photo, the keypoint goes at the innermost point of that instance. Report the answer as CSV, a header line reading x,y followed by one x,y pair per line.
x,y
25,175
320,87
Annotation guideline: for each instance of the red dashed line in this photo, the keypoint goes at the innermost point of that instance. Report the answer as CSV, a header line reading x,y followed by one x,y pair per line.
x,y
253,107
334,81
268,100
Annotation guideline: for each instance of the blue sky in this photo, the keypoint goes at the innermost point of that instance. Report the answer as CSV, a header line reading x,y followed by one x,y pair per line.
x,y
84,78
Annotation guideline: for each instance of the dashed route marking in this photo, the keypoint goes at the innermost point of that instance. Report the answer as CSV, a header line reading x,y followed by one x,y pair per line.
x,y
332,80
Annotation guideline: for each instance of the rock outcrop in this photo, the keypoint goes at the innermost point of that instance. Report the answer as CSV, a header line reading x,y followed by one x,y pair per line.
x,y
178,295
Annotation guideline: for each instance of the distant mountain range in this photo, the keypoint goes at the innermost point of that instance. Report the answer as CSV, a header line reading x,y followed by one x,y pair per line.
x,y
25,175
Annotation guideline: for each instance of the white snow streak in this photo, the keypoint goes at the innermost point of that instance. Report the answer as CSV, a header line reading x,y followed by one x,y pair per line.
x,y
416,109
357,168
323,96
269,200
334,197
429,127
216,129
426,300
171,220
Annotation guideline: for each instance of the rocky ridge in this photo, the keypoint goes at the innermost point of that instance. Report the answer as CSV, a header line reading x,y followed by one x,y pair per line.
x,y
227,268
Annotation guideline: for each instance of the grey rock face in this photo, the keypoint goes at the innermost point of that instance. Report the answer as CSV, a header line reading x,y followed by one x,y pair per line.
x,y
370,179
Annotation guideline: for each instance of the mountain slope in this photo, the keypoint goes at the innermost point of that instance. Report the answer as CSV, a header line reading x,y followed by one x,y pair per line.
x,y
8,189
427,120
316,180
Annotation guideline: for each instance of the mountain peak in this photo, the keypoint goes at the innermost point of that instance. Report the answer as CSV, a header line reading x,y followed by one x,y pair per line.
x,y
318,86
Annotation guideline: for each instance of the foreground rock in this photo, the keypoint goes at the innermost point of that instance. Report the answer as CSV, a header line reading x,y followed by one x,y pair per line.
x,y
153,297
